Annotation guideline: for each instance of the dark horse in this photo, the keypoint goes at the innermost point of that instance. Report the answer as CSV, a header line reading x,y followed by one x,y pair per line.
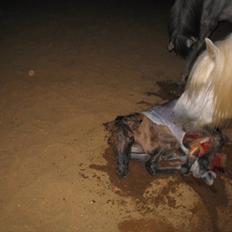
x,y
191,21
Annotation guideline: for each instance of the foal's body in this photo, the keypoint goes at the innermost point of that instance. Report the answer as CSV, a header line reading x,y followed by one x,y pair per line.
x,y
135,136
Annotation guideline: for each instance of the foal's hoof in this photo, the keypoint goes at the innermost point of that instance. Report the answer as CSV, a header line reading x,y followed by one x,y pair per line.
x,y
152,168
209,177
184,169
122,171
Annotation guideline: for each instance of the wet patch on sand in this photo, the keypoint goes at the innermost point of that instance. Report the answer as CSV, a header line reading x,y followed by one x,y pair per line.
x,y
213,197
145,103
137,181
152,199
137,184
168,90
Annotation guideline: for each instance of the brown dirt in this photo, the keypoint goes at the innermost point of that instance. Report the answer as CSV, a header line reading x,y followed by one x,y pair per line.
x,y
65,70
145,225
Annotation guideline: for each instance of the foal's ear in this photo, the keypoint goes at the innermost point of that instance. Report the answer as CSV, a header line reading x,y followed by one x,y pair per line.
x,y
109,125
212,49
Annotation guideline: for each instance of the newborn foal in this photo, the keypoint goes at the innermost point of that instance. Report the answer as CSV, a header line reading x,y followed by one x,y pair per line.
x,y
136,136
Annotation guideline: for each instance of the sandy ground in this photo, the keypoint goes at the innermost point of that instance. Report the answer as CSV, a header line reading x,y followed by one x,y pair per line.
x,y
65,70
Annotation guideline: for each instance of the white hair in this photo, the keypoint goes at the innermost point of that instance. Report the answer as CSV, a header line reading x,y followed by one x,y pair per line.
x,y
207,99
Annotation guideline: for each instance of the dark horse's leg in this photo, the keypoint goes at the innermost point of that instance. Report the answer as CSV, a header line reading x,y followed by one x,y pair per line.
x,y
209,21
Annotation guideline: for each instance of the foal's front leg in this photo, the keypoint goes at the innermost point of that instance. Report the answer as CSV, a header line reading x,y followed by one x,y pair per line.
x,y
137,153
153,167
